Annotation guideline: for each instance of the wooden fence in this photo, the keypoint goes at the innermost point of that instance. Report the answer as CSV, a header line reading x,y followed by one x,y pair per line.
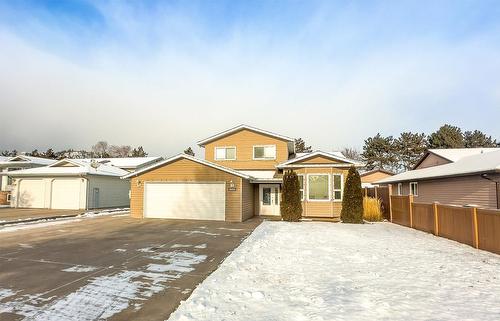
x,y
383,194
476,227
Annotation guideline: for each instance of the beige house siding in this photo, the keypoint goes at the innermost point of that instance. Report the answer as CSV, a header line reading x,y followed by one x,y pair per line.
x,y
184,170
374,177
432,160
244,140
247,199
455,191
321,209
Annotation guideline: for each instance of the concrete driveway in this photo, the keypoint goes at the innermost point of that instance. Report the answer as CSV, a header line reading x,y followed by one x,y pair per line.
x,y
114,267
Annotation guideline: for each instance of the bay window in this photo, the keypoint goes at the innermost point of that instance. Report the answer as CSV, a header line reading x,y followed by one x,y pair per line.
x,y
318,187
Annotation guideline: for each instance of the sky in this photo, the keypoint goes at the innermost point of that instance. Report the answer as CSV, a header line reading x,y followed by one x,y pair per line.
x,y
166,74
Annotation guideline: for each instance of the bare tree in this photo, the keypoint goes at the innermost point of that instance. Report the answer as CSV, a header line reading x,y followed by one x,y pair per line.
x,y
100,149
351,153
119,151
189,151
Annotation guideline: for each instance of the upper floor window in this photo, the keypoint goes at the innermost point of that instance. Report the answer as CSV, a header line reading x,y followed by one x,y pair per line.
x,y
264,152
414,188
225,153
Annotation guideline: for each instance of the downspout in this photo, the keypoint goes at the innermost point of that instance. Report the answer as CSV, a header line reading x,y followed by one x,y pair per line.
x,y
87,193
497,183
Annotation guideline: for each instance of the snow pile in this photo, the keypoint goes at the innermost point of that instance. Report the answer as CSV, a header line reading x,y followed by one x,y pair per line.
x,y
323,271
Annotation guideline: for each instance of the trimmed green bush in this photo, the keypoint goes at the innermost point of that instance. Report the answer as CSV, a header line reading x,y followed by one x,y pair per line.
x,y
291,205
352,201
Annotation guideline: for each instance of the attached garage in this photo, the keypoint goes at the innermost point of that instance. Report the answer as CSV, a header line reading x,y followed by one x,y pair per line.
x,y
204,201
70,184
184,187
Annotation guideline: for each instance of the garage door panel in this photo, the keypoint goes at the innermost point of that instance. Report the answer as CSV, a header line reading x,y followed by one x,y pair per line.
x,y
202,201
31,193
66,194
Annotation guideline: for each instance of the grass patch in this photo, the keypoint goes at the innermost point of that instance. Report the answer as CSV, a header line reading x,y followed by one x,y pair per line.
x,y
372,209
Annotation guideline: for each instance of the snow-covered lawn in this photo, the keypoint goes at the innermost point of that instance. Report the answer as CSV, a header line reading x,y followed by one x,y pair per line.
x,y
324,271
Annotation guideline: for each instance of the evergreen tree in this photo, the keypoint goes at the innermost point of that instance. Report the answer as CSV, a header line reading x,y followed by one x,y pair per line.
x,y
409,148
50,154
379,152
446,136
291,204
352,200
139,152
477,138
189,151
300,146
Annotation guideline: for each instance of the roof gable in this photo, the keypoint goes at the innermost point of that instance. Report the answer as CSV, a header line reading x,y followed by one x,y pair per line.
x,y
236,129
319,158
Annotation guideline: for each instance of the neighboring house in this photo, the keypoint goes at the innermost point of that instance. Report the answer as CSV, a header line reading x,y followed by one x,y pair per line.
x,y
8,164
470,180
435,157
369,177
240,177
76,183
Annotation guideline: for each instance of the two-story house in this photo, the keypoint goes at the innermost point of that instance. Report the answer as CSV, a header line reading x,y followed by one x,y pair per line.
x,y
240,177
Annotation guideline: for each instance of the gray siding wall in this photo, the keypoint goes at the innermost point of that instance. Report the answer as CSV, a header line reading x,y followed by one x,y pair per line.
x,y
113,191
455,191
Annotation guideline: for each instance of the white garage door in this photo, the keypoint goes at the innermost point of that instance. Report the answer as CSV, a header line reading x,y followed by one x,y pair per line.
x,y
200,201
66,194
31,193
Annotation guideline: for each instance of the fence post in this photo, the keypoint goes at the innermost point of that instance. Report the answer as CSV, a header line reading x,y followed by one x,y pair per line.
x,y
410,208
376,192
390,200
436,219
474,221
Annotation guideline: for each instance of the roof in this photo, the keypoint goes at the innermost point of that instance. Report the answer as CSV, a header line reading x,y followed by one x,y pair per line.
x,y
81,167
375,170
205,141
334,155
455,154
475,164
23,159
192,158
126,162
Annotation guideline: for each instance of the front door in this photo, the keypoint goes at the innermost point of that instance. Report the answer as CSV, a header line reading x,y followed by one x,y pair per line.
x,y
269,199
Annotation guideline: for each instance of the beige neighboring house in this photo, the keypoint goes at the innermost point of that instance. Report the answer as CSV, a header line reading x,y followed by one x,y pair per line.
x,y
239,177
370,177
76,183
466,178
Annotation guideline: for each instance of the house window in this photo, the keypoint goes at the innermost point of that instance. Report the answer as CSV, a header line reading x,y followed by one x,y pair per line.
x,y
264,152
337,187
301,183
318,187
400,189
225,153
414,188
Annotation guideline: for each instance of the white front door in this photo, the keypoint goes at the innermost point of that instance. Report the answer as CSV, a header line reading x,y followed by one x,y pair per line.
x,y
269,199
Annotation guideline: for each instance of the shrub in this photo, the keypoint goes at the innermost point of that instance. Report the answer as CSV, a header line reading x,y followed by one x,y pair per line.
x,y
291,205
372,209
352,201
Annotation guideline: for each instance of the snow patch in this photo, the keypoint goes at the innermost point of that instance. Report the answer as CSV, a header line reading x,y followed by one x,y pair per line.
x,y
201,246
81,269
175,246
196,232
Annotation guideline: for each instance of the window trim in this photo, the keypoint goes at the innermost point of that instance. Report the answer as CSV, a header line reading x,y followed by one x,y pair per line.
x,y
224,147
400,189
411,192
264,159
303,189
329,199
336,189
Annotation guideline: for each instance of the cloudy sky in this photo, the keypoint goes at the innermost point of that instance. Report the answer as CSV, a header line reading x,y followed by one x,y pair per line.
x,y
166,74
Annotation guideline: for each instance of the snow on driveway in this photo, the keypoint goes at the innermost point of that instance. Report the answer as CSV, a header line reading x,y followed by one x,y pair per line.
x,y
323,271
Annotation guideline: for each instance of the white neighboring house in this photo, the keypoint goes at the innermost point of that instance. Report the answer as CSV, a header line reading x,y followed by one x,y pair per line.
x,y
8,164
76,183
